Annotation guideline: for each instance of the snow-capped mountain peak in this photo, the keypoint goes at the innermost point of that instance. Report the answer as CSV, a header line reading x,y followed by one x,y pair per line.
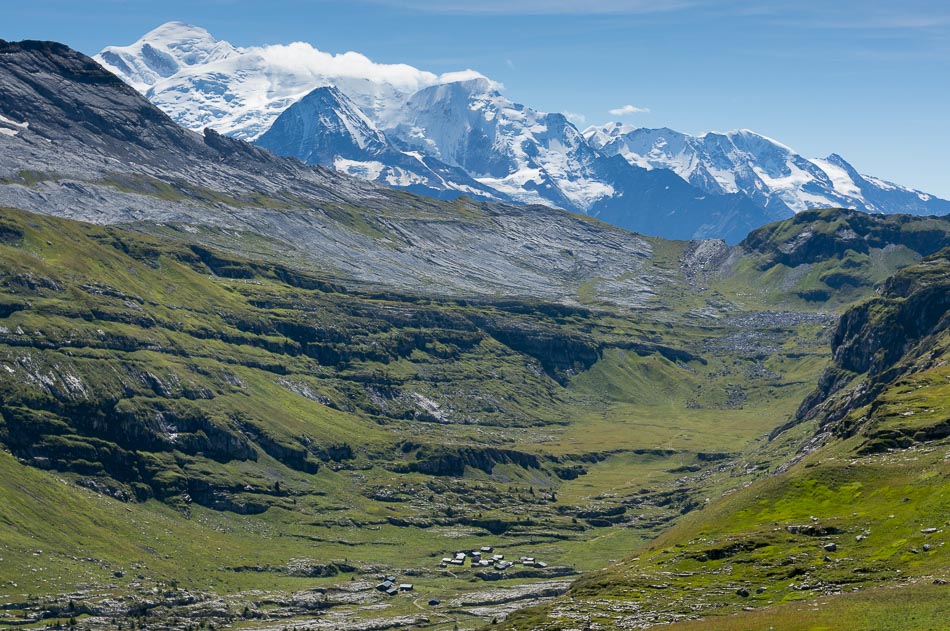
x,y
747,137
203,82
531,156
323,117
162,52
600,135
326,127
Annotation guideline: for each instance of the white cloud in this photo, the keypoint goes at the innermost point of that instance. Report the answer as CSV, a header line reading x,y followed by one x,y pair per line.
x,y
574,117
300,57
626,110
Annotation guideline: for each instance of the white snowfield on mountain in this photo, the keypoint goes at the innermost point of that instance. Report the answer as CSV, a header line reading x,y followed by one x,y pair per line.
x,y
204,82
743,161
11,127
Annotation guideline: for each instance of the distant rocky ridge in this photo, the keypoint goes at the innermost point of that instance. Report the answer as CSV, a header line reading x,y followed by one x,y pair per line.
x,y
456,134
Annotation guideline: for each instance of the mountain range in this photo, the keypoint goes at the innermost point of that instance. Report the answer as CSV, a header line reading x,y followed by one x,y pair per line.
x,y
457,134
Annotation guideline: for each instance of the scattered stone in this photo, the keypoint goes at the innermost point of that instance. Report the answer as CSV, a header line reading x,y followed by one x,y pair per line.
x,y
760,590
812,530
928,531
742,591
830,547
926,547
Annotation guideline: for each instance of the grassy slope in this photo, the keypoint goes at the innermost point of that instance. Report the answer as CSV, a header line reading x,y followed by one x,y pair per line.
x,y
743,542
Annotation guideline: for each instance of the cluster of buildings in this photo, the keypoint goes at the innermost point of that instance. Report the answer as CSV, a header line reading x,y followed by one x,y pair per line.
x,y
391,588
484,557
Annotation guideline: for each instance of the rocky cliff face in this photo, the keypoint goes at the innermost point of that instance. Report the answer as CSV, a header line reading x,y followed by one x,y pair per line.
x,y
65,97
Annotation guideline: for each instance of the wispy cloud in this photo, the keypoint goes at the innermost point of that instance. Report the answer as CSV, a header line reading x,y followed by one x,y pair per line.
x,y
544,7
909,15
574,117
880,31
627,110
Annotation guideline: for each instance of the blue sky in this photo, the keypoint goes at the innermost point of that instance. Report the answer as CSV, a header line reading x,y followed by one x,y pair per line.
x,y
869,80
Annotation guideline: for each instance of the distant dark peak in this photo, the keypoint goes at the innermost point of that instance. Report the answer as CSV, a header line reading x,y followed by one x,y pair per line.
x,y
327,90
327,94
67,97
233,148
245,155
